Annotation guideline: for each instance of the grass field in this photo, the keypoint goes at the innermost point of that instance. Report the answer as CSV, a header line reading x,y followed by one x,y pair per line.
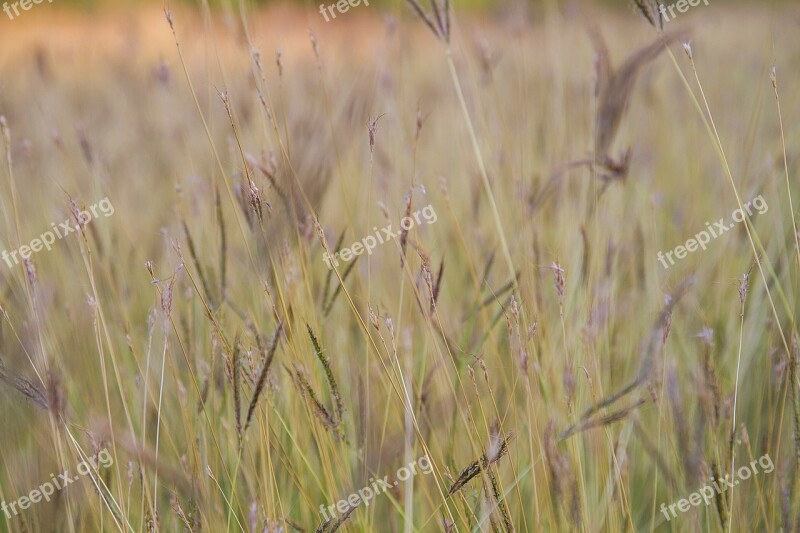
x,y
516,359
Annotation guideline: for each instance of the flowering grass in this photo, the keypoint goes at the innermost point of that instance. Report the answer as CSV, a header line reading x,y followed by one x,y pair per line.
x,y
528,343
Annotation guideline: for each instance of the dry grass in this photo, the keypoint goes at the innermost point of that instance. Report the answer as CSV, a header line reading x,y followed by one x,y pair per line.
x,y
239,383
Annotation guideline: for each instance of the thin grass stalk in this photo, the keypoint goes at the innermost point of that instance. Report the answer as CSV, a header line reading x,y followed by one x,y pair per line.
x,y
502,431
327,309
425,18
482,167
774,79
158,421
193,376
327,103
742,299
102,333
328,276
711,129
761,501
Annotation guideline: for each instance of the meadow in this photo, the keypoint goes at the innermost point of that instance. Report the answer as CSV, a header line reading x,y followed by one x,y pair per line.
x,y
528,347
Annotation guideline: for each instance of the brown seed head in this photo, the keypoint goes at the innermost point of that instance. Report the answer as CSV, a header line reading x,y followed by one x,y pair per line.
x,y
279,60
743,288
374,319
314,43
372,128
687,47
559,281
30,270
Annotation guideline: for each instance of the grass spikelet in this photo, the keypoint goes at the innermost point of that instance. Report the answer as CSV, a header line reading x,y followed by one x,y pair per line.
x,y
175,503
719,499
712,387
151,521
196,261
649,10
86,145
403,231
223,246
30,272
338,405
691,463
262,375
244,204
331,525
794,386
559,282
236,370
372,131
515,340
56,400
75,210
269,171
557,466
602,421
617,93
25,387
499,501
317,407
474,468
439,24
437,286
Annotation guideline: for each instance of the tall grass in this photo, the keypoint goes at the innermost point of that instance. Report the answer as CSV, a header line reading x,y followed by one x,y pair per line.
x,y
529,342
